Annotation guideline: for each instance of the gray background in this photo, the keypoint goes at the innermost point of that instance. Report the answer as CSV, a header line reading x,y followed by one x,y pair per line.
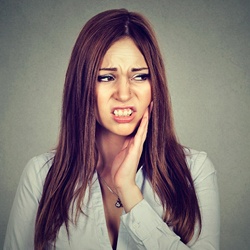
x,y
206,48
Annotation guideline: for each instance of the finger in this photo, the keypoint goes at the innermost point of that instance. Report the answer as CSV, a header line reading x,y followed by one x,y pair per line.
x,y
142,130
135,143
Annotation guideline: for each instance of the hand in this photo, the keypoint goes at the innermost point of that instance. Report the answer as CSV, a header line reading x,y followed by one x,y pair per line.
x,y
126,162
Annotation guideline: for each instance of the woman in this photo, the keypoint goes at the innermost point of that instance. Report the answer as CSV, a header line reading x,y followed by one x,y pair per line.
x,y
118,178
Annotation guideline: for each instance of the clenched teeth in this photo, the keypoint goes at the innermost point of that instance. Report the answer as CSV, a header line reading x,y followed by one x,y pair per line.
x,y
123,112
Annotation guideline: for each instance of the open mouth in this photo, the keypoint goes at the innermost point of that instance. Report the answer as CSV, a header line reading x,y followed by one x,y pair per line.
x,y
123,112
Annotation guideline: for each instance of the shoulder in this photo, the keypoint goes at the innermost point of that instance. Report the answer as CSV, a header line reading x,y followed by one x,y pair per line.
x,y
199,164
39,165
36,170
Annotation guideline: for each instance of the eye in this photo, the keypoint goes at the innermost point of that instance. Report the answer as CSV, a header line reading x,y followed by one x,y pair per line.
x,y
105,78
141,77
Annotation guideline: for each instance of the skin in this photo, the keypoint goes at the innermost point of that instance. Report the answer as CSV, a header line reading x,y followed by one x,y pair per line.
x,y
123,82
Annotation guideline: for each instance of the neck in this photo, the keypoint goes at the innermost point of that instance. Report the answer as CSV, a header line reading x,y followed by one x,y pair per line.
x,y
109,145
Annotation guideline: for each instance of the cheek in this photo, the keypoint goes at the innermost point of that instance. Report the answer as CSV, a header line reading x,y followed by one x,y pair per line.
x,y
98,110
97,106
101,106
98,113
98,100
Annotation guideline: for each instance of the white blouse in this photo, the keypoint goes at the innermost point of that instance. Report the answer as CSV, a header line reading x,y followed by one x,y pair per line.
x,y
141,228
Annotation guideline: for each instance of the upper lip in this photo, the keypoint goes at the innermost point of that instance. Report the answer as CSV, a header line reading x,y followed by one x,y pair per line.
x,y
123,107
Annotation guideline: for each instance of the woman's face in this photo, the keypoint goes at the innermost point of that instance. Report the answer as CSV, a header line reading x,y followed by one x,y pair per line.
x,y
123,88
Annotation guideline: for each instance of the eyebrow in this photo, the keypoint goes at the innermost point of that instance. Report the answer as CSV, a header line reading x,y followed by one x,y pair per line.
x,y
138,69
115,69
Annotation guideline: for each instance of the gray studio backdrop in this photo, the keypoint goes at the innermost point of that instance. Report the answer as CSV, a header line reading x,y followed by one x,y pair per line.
x,y
205,44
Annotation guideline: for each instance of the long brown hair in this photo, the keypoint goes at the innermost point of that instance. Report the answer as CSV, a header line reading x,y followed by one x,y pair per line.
x,y
76,155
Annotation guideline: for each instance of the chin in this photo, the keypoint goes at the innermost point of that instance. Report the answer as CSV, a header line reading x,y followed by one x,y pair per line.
x,y
126,131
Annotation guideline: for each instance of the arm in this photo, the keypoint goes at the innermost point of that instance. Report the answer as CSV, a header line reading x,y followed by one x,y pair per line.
x,y
144,225
148,229
21,225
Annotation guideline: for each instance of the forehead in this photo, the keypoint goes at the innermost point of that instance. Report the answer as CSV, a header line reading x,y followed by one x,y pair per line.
x,y
124,51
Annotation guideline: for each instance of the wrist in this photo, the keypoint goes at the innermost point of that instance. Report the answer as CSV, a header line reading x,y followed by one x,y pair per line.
x,y
130,196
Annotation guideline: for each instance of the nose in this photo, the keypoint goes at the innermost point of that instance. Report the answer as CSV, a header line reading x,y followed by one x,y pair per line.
x,y
122,91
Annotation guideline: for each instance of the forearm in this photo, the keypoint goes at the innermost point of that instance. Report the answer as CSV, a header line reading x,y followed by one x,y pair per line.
x,y
149,231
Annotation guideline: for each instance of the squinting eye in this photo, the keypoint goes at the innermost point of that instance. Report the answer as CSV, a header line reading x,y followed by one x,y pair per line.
x,y
141,77
105,78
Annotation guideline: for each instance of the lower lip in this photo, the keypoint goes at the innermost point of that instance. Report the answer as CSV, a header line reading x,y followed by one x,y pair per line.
x,y
124,119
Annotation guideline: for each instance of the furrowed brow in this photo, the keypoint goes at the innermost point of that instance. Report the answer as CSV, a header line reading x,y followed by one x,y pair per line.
x,y
138,69
108,69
